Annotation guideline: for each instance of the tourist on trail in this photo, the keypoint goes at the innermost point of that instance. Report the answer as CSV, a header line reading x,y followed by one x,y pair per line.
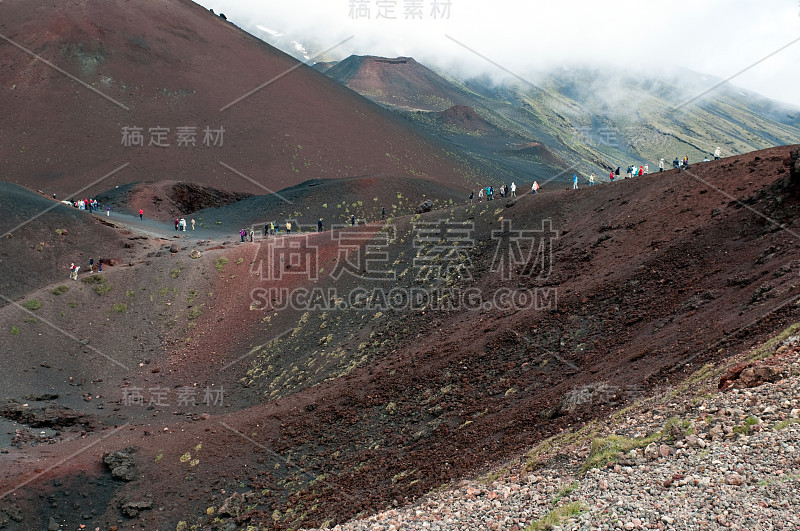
x,y
616,172
660,165
534,187
353,220
611,177
242,234
513,189
108,211
177,224
575,181
288,227
646,169
319,225
183,225
676,163
480,195
192,223
73,271
685,161
100,266
591,179
717,153
383,213
272,228
91,265
141,214
641,171
491,193
471,196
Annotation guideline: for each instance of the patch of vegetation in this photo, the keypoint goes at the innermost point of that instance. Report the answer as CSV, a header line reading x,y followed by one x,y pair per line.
x,y
60,290
32,305
768,349
565,490
130,293
556,517
94,279
784,423
194,312
221,263
14,331
30,320
73,304
120,308
175,273
605,449
102,289
239,261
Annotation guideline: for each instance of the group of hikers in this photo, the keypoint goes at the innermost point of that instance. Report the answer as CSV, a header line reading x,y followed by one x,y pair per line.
x,y
73,269
504,191
180,223
632,171
270,229
86,204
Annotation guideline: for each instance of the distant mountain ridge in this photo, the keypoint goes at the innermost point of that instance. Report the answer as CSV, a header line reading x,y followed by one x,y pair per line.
x,y
588,119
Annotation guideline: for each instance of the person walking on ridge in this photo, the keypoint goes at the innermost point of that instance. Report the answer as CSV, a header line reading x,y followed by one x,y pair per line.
x,y
575,181
141,214
513,189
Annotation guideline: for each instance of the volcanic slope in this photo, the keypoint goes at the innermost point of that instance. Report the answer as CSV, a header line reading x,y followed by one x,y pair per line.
x,y
342,406
588,119
255,119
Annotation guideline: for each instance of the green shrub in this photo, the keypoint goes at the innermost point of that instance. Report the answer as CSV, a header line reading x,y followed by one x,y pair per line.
x,y
32,305
102,289
59,290
14,331
120,308
221,263
556,517
195,311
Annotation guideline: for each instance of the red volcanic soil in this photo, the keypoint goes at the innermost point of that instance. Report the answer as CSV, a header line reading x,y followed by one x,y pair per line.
x,y
466,118
400,82
534,151
161,66
333,411
166,200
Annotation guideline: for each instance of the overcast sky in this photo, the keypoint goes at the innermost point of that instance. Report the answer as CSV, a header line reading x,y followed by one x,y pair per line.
x,y
718,37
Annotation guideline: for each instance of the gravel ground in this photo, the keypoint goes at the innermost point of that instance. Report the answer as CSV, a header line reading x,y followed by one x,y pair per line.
x,y
731,461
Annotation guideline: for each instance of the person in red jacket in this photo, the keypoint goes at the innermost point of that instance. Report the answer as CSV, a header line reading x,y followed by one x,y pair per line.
x,y
141,214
